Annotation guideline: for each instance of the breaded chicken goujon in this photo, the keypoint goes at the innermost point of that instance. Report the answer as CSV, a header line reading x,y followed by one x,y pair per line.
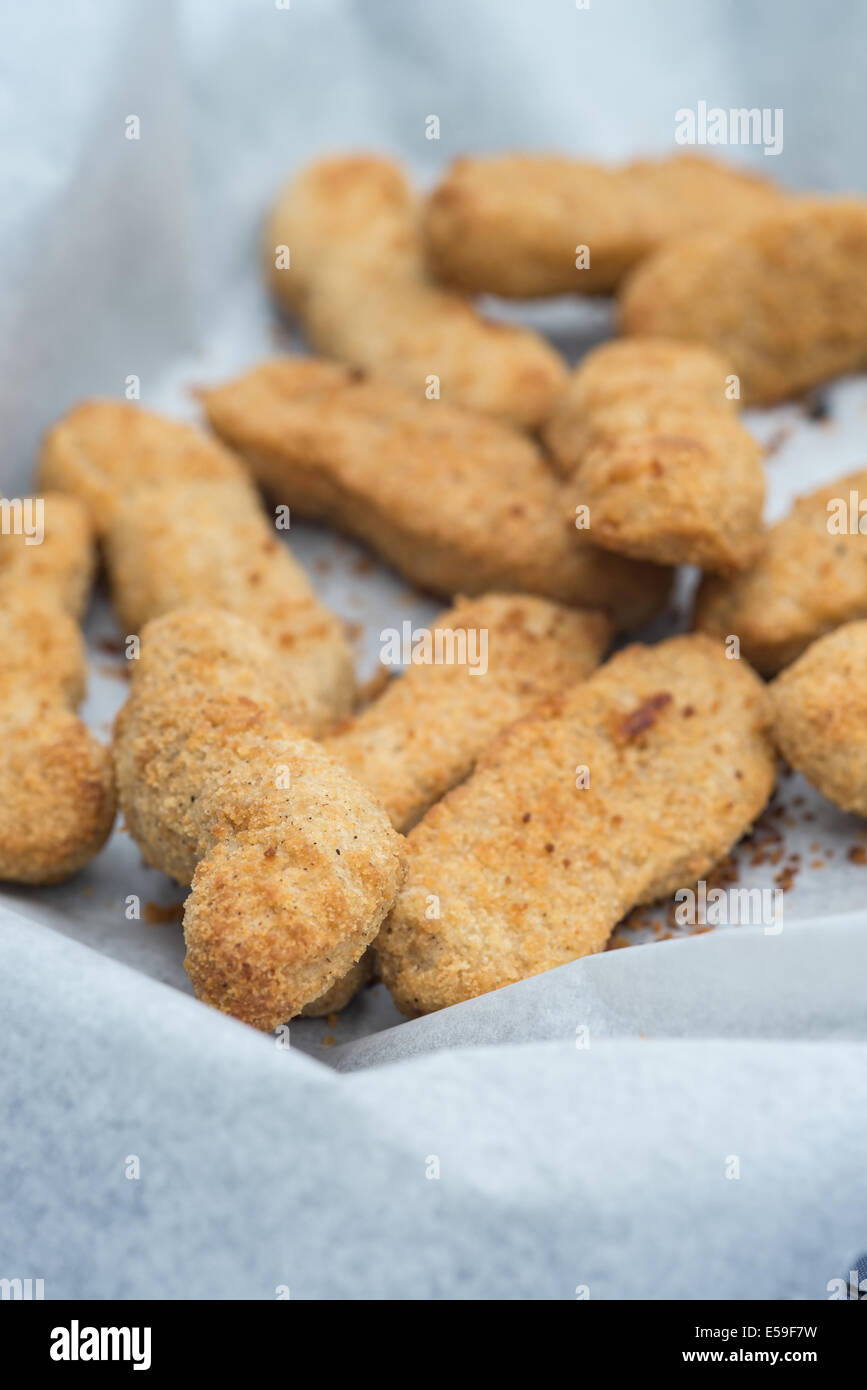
x,y
292,864
425,732
819,707
615,793
523,225
344,253
784,299
810,576
479,667
181,524
56,786
662,468
457,503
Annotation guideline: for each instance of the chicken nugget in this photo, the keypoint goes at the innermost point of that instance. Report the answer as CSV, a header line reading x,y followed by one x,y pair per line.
x,y
480,666
819,706
662,468
181,524
618,386
615,793
529,225
811,576
101,450
784,298
344,253
292,864
457,503
56,785
689,494
212,542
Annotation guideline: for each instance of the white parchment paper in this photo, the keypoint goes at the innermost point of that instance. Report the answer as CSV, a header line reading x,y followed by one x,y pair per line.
x,y
562,1166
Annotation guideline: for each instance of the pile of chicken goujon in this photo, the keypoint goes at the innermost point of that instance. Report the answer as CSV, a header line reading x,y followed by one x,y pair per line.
x,y
496,809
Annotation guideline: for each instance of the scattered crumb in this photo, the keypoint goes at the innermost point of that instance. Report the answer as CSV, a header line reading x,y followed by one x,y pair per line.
x,y
158,914
817,408
119,673
779,438
374,687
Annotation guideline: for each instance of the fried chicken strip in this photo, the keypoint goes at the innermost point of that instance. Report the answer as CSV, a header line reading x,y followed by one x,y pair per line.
x,y
819,706
514,224
614,793
659,460
784,299
57,797
181,524
423,735
456,503
356,277
811,576
292,864
502,654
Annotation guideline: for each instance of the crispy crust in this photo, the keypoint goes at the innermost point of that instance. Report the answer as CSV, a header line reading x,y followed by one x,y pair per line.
x,y
665,469
56,785
293,866
806,581
426,731
101,450
784,299
510,224
615,388
820,716
530,871
181,524
457,503
424,734
358,281
212,542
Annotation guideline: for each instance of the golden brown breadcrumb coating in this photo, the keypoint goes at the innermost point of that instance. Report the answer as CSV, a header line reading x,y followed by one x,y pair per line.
x,y
292,863
615,386
181,524
101,449
819,706
56,785
457,503
663,467
808,579
513,224
357,279
423,735
784,299
615,793
212,542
